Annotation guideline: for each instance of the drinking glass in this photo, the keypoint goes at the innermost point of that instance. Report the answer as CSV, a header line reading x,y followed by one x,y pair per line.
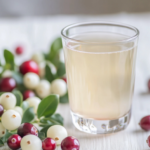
x,y
100,67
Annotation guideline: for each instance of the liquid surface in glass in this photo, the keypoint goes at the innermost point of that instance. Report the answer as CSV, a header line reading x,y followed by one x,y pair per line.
x,y
100,76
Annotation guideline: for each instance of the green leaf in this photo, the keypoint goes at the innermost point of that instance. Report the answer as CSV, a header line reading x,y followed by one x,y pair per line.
x,y
28,115
53,121
9,59
18,77
64,99
48,73
41,135
1,93
21,88
19,97
48,106
1,142
58,118
5,138
56,46
45,129
45,122
61,69
25,105
13,132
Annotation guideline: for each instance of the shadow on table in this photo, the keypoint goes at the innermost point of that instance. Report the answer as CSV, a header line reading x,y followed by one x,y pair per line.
x,y
138,131
144,93
75,132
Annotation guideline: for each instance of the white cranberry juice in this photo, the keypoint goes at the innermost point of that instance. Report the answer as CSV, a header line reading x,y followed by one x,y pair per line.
x,y
100,76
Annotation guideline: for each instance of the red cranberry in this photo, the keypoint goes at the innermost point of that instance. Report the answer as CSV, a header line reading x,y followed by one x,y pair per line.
x,y
29,66
14,142
145,123
65,79
27,128
28,94
148,141
7,84
49,144
1,110
70,143
19,50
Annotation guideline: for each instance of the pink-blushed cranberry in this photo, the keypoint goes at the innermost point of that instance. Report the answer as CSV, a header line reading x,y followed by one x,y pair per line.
x,y
148,84
70,143
27,128
28,94
14,142
29,66
49,144
7,84
145,123
19,50
65,79
148,141
1,110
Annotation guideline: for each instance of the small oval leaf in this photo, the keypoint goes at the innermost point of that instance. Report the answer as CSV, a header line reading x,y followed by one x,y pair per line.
x,y
41,135
25,105
48,106
19,97
58,118
9,59
28,115
1,93
45,129
64,99
61,69
18,77
48,73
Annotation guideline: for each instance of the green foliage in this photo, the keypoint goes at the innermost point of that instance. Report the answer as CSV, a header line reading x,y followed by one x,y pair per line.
x,y
19,97
61,69
48,106
9,60
24,105
5,138
28,115
45,116
48,73
64,99
18,77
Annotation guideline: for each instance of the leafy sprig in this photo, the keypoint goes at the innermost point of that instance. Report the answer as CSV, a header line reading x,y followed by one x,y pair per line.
x,y
45,116
51,57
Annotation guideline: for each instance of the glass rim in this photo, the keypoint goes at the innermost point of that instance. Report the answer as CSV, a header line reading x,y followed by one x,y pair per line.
x,y
130,38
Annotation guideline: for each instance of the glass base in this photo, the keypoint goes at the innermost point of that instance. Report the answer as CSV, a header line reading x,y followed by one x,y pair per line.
x,y
100,126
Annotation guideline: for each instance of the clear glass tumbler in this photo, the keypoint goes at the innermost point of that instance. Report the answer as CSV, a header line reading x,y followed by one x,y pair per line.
x,y
100,65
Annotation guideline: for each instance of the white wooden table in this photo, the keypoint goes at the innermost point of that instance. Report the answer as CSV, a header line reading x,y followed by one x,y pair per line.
x,y
36,33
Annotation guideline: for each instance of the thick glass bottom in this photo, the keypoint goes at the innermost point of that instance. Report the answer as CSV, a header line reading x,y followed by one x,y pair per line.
x,y
100,126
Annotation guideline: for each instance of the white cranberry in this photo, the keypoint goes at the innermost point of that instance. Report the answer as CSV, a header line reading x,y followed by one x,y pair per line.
x,y
33,102
31,142
58,86
37,57
11,119
43,89
19,110
57,132
8,100
7,73
2,130
31,80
